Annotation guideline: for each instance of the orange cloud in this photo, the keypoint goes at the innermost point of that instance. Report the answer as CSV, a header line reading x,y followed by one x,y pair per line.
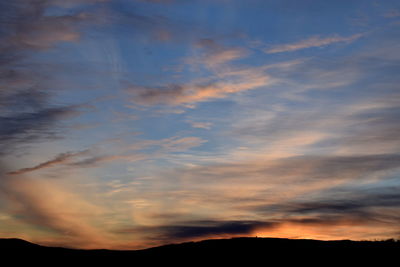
x,y
216,54
193,93
223,80
50,207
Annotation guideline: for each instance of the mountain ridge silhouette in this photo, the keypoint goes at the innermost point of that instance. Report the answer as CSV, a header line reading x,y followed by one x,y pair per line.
x,y
234,250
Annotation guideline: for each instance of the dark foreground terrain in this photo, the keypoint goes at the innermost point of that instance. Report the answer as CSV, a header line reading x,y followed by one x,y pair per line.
x,y
250,251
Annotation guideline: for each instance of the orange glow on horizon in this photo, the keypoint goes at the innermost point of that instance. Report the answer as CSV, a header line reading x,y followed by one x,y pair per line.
x,y
319,232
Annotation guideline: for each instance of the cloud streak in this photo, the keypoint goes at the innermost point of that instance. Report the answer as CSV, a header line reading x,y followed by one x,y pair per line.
x,y
311,42
61,158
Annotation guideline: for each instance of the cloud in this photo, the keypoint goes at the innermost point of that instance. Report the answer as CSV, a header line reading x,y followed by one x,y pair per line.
x,y
216,54
365,122
66,215
30,29
98,160
367,211
240,186
27,113
180,94
167,145
343,201
83,159
300,168
375,205
182,144
369,130
350,205
314,41
192,230
222,79
268,170
393,13
61,158
25,127
201,125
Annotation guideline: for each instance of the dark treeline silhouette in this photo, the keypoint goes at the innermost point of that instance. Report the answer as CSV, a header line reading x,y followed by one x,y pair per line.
x,y
263,251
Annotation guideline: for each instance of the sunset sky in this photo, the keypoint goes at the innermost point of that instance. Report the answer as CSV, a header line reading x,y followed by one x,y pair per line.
x,y
127,124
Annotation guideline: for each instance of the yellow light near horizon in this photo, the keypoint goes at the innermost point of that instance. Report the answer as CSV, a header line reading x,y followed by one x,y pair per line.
x,y
293,231
324,232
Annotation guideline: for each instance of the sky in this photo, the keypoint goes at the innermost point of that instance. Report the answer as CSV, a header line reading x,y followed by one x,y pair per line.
x,y
127,124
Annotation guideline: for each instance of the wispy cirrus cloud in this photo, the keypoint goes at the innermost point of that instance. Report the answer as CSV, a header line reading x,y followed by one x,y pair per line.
x,y
315,41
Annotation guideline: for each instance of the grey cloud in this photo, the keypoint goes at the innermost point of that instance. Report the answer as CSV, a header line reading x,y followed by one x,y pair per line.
x,y
20,128
77,159
96,160
335,165
361,206
26,112
153,95
213,228
352,206
29,28
301,168
59,159
351,202
201,229
377,127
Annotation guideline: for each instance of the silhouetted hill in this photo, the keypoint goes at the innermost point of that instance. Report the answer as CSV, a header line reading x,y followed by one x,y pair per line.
x,y
235,250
